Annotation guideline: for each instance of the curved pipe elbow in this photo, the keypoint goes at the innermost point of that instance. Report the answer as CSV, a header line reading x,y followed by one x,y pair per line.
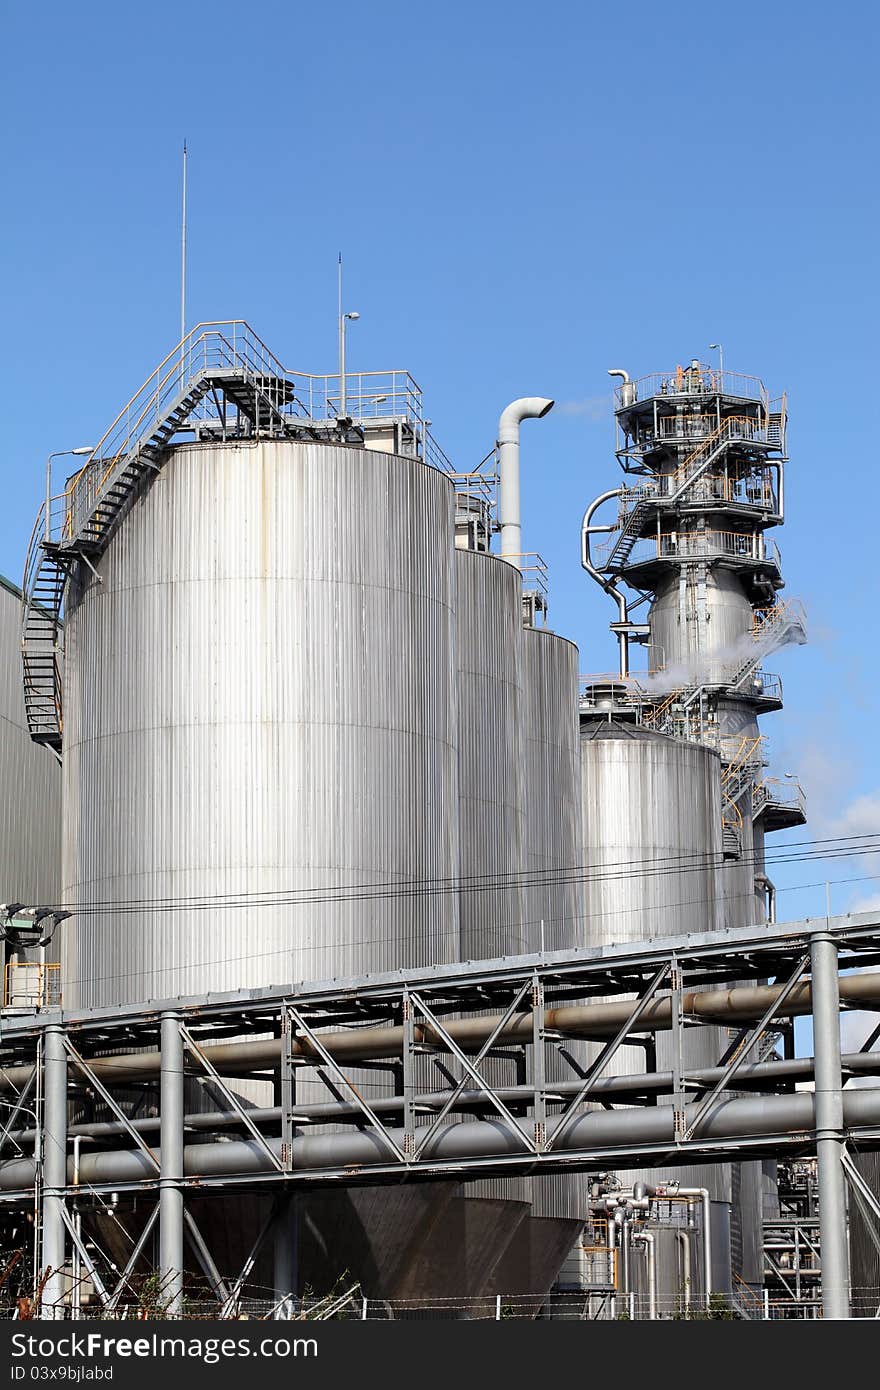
x,y
526,408
618,371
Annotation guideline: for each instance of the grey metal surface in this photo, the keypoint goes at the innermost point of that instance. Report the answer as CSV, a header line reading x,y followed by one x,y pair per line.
x,y
593,1138
552,898
489,658
697,628
30,806
651,838
259,697
551,758
497,777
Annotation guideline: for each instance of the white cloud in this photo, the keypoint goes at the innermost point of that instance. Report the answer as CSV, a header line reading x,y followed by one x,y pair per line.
x,y
591,407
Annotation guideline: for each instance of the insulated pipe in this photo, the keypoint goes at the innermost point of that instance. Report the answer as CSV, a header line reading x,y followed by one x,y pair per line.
x,y
55,1174
588,530
755,1074
172,1165
684,1239
591,1022
650,1127
829,1123
645,1238
526,408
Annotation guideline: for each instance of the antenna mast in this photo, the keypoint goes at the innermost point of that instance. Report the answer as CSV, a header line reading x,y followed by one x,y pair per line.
x,y
183,255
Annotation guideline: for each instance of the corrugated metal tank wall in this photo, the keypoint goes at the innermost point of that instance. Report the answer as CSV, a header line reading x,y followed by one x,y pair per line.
x,y
489,649
489,657
652,838
30,778
551,772
260,696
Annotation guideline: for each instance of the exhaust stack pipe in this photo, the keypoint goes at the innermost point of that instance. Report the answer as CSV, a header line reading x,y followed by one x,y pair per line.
x,y
526,408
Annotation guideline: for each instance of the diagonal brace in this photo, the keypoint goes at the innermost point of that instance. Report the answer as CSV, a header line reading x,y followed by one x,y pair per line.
x,y
605,1056
17,1108
86,1257
470,1068
219,1287
348,1085
230,1098
745,1046
133,1259
105,1095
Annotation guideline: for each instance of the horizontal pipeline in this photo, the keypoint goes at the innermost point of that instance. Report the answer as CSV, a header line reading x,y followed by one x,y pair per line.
x,y
754,1076
590,1022
727,1120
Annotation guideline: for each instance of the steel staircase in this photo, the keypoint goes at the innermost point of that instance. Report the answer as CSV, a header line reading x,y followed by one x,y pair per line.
x,y
630,532
735,429
226,361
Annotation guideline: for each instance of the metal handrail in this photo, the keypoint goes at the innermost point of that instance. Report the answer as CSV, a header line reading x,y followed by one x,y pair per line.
x,y
682,381
778,792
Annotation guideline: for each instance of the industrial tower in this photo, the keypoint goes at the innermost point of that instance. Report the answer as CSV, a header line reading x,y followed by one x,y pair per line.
x,y
705,449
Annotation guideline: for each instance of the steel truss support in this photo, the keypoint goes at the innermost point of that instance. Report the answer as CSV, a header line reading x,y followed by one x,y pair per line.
x,y
125,1276
742,1047
605,1056
471,1069
829,1126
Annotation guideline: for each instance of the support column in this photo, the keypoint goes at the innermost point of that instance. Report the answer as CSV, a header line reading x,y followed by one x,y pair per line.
x,y
171,1172
829,1126
53,1245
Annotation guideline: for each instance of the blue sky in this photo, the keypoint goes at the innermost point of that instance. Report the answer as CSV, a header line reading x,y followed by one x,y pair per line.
x,y
525,195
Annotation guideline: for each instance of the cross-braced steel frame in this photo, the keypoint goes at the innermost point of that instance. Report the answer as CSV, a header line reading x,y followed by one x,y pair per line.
x,y
396,1029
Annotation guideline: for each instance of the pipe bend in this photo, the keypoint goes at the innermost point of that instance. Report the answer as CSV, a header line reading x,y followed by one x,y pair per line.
x,y
525,408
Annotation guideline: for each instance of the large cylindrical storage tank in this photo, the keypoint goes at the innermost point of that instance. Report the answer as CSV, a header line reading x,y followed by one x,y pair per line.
x,y
30,778
489,659
652,841
259,698
551,913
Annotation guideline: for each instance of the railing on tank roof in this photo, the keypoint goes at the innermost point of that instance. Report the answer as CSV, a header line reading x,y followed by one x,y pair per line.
x,y
685,381
212,348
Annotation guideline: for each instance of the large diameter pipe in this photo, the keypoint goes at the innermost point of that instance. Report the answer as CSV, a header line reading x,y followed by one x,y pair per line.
x,y
591,1022
829,1127
526,408
764,1117
755,1075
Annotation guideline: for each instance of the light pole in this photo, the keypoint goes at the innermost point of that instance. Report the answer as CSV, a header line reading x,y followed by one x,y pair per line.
x,y
59,453
342,321
717,347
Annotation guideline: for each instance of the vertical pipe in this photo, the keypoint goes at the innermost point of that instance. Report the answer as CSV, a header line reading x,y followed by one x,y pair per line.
x,y
54,1171
648,1241
707,1244
171,1171
829,1126
684,1240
